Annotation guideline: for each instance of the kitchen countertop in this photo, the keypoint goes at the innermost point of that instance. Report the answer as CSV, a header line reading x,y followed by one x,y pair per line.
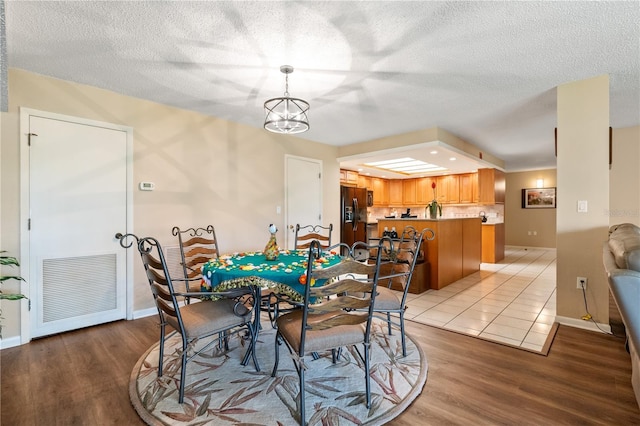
x,y
423,219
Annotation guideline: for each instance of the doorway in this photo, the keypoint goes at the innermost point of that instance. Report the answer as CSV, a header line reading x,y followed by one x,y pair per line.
x,y
75,187
303,194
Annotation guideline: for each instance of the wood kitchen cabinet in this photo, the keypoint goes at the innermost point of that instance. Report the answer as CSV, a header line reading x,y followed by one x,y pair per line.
x,y
471,246
492,242
364,182
424,191
409,192
380,191
395,192
448,189
487,186
468,188
348,177
491,186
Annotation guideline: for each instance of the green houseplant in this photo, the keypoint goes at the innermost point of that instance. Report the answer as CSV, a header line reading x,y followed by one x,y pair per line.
x,y
435,208
11,262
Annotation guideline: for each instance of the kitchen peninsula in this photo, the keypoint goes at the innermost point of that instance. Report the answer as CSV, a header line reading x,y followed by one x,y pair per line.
x,y
454,253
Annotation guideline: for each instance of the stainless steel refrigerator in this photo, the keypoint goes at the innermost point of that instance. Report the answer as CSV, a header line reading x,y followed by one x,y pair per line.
x,y
353,214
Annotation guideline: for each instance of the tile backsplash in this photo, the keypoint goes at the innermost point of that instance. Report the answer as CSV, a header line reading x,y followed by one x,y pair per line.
x,y
494,213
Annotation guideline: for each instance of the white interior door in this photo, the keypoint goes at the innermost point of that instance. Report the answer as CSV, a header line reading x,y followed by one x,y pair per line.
x,y
78,201
303,194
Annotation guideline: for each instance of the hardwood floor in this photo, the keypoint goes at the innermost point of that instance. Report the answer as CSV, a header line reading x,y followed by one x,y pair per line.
x,y
81,378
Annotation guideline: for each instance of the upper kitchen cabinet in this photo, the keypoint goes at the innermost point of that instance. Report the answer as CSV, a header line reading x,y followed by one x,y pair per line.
x,y
424,190
491,186
364,182
348,177
468,188
409,191
395,192
380,191
448,189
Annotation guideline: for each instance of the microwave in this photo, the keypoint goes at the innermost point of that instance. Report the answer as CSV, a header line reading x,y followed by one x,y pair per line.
x,y
369,198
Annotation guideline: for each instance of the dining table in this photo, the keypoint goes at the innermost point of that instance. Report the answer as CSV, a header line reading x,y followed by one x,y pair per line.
x,y
285,275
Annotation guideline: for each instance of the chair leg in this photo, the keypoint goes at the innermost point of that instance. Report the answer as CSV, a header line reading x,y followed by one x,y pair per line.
x,y
335,354
273,315
367,376
226,341
303,420
161,356
389,322
183,372
277,356
402,335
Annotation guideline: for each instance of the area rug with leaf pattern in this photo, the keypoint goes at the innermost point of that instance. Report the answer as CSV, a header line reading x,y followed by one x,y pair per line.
x,y
220,391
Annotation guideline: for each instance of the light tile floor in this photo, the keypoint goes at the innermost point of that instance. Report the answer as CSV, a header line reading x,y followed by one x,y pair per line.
x,y
511,302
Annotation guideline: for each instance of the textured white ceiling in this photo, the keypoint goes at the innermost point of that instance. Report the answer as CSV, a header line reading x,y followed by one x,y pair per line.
x,y
484,71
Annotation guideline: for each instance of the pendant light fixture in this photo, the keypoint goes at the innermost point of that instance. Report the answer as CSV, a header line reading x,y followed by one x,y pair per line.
x,y
286,115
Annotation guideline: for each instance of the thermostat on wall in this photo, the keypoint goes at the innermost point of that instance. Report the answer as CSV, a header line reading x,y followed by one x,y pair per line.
x,y
147,186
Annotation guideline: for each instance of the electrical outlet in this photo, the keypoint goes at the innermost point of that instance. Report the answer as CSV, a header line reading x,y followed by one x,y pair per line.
x,y
581,283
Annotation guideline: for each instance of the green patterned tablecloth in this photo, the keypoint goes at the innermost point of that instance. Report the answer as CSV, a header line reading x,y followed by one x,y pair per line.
x,y
286,275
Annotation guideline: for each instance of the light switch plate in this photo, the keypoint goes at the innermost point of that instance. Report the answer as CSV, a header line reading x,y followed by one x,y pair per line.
x,y
582,206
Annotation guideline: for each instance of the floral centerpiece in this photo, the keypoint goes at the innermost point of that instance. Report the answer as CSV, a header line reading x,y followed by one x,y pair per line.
x,y
435,208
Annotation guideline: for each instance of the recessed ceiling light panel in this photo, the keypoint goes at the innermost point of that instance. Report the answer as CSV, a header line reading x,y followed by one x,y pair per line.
x,y
407,166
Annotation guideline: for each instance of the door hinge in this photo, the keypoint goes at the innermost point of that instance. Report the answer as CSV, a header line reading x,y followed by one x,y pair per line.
x,y
29,140
29,300
29,224
319,175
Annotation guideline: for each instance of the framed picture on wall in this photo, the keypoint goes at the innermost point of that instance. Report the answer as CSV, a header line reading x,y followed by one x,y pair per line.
x,y
539,198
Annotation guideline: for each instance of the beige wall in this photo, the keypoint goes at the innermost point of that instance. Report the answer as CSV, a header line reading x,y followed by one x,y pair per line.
x,y
206,170
624,195
519,221
583,174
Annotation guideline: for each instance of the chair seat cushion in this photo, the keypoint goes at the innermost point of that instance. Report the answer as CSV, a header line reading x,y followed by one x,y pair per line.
x,y
209,317
387,300
290,326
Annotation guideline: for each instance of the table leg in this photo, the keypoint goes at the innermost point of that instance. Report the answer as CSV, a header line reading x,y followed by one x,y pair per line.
x,y
255,329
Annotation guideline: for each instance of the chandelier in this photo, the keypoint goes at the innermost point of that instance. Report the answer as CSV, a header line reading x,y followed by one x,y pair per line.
x,y
286,115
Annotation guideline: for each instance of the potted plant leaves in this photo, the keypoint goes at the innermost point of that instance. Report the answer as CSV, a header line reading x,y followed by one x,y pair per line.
x,y
11,262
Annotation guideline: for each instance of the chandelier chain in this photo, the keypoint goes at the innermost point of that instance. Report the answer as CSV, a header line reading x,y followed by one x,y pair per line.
x,y
286,85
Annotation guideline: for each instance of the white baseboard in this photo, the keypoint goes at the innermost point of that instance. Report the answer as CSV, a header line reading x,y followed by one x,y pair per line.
x,y
145,313
528,248
586,325
10,342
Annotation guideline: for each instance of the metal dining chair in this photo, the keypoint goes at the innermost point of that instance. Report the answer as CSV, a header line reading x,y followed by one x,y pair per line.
x,y
397,271
304,235
231,311
333,322
197,246
307,233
